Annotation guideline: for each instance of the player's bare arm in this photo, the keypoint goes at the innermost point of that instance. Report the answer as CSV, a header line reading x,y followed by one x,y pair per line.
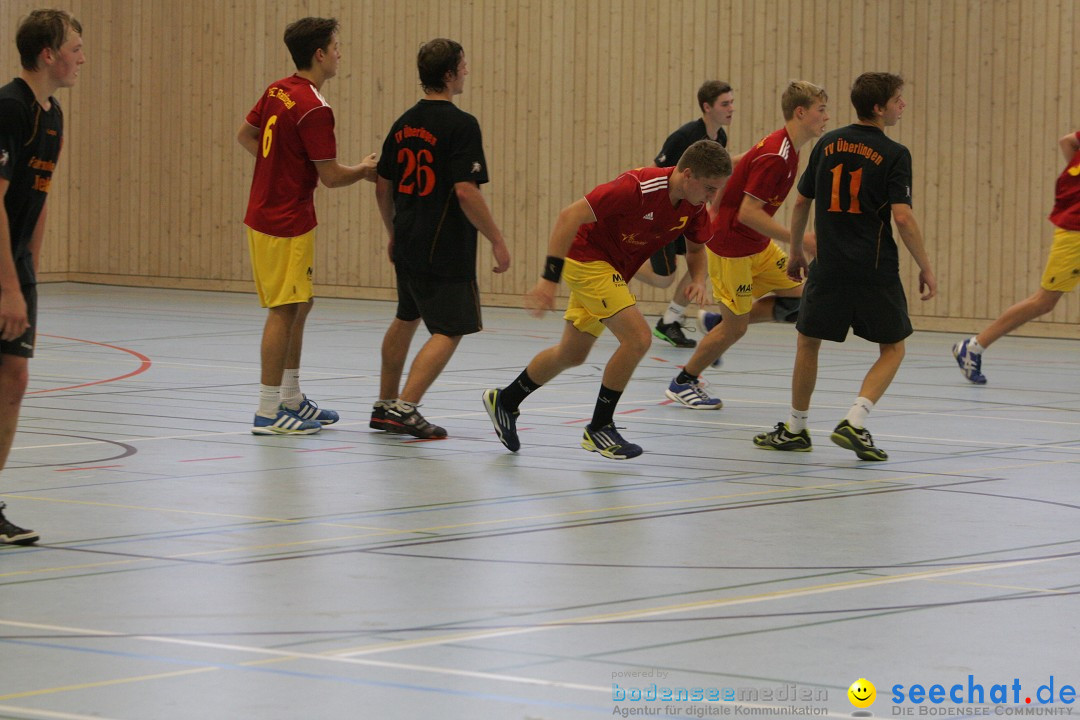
x,y
913,240
479,214
542,297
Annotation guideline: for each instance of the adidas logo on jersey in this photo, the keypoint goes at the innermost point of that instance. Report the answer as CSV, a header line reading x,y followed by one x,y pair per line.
x,y
648,216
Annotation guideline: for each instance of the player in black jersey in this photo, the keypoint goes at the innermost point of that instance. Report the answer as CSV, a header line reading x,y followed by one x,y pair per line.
x,y
31,135
716,101
428,190
861,181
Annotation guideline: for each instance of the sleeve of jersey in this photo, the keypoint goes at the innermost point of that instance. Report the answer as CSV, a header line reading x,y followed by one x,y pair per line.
x,y
806,182
467,162
620,196
317,134
700,230
12,127
766,174
900,179
671,152
387,158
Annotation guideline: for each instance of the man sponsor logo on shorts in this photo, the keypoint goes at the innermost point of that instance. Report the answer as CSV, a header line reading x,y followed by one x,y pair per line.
x,y
617,280
744,290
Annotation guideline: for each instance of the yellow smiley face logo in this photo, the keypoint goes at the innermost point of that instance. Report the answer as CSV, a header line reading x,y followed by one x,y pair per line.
x,y
862,693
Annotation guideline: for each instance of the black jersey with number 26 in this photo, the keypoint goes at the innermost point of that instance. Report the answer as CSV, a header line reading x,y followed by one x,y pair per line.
x,y
431,147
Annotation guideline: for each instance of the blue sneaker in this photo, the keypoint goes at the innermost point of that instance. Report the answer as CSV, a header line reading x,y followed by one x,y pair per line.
x,y
706,321
970,362
693,396
285,423
308,410
505,422
608,442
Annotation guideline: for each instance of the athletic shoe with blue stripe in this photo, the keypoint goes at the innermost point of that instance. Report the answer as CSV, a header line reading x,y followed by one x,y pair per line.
x,y
608,442
308,410
505,422
284,423
970,362
693,396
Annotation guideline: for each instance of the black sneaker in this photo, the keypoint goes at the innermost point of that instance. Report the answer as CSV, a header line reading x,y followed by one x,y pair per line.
x,y
378,415
781,438
11,534
672,333
403,418
848,436
608,442
505,422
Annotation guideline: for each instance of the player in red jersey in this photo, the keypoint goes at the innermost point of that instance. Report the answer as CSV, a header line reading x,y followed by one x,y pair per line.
x,y
744,261
1061,275
601,240
290,132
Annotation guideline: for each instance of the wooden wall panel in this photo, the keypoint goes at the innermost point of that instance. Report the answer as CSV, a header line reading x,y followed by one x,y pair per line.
x,y
152,186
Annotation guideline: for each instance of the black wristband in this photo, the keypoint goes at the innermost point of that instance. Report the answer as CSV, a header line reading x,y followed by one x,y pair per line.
x,y
552,268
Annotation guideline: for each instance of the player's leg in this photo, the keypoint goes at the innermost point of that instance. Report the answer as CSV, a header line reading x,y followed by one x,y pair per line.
x,y
1060,275
14,377
601,435
669,327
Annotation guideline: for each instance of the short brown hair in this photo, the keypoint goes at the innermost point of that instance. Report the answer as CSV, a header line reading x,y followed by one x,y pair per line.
x,y
435,60
706,158
307,35
872,89
801,94
710,90
43,29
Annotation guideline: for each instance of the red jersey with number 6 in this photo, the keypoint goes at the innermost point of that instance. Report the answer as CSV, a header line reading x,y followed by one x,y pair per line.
x,y
634,219
767,172
296,130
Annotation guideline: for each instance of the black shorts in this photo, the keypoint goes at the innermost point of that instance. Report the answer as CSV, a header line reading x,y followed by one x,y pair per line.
x,y
23,346
663,260
877,313
447,307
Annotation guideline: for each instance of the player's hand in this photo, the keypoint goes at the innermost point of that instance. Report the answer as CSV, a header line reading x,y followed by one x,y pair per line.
x,y
390,250
502,256
797,268
541,298
696,293
927,284
809,245
369,164
13,318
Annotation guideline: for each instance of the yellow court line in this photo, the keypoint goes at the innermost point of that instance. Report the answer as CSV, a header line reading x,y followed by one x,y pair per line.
x,y
104,683
48,714
65,568
1048,591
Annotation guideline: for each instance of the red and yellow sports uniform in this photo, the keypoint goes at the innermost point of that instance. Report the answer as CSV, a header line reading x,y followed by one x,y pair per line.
x,y
296,130
634,219
743,263
1062,273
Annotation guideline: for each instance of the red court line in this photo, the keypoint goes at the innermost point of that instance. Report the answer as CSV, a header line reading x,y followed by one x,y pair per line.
x,y
627,412
660,359
665,402
574,422
224,457
143,367
89,467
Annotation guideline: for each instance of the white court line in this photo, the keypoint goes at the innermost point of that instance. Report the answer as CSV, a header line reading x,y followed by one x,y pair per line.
x,y
50,715
353,657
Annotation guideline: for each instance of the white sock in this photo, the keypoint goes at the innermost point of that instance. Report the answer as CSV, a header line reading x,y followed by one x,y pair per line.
x,y
974,346
797,421
269,400
674,313
291,397
858,412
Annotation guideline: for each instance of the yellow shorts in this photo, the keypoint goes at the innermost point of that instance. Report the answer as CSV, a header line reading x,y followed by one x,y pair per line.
x,y
737,282
1062,273
282,267
597,291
